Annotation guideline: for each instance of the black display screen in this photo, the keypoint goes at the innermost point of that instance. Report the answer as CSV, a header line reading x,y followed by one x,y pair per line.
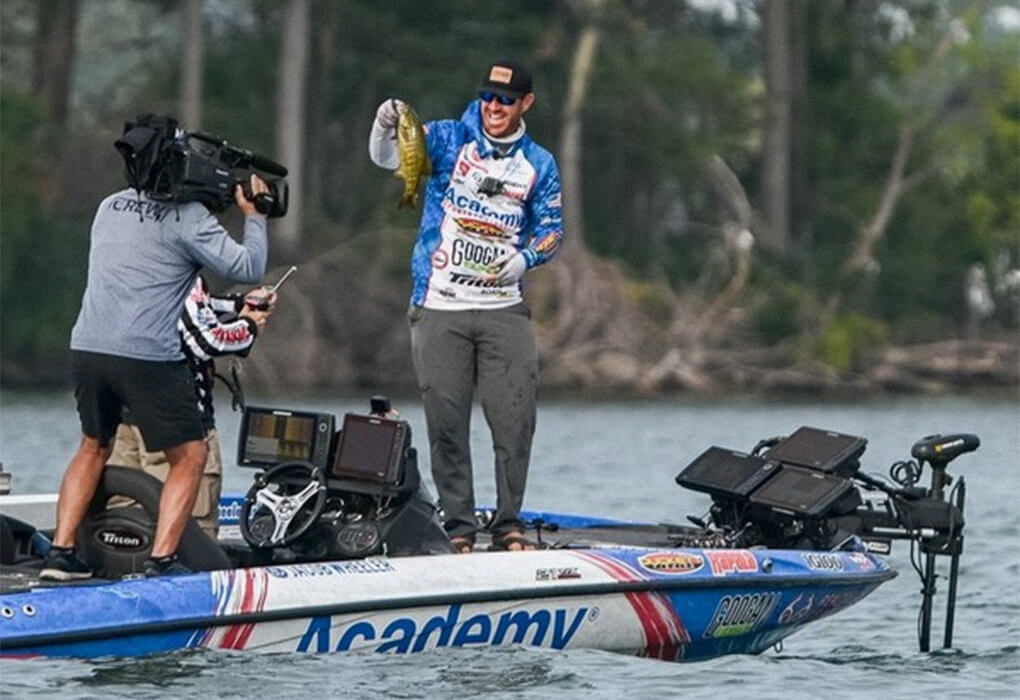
x,y
724,472
801,491
269,437
824,450
370,449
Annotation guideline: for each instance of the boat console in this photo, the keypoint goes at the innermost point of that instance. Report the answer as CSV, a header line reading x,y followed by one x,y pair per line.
x,y
323,492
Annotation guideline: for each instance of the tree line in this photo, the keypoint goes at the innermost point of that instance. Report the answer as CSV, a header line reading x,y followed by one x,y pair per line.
x,y
826,176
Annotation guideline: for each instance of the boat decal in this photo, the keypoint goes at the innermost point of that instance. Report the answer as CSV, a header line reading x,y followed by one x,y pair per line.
x,y
823,561
665,634
416,631
238,591
671,562
731,561
798,609
558,573
741,614
863,561
331,568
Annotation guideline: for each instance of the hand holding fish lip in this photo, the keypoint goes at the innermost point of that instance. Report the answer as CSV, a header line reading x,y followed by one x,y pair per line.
x,y
389,112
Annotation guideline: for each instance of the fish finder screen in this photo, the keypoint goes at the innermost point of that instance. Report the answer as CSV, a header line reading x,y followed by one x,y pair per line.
x,y
269,437
720,471
370,449
823,450
801,491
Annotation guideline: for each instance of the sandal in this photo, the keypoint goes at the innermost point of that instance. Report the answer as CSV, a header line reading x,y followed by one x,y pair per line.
x,y
512,542
462,545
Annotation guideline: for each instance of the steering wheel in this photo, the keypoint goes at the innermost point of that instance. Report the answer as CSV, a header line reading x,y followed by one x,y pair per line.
x,y
282,504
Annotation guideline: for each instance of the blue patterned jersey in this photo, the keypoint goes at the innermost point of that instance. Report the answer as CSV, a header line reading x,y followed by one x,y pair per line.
x,y
479,205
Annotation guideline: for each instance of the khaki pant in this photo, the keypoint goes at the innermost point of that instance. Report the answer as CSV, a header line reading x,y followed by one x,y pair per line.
x,y
129,451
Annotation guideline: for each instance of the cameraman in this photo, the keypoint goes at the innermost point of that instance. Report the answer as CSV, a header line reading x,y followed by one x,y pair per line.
x,y
144,256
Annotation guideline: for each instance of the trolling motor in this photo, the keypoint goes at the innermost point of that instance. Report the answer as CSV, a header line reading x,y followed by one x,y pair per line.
x,y
932,520
806,491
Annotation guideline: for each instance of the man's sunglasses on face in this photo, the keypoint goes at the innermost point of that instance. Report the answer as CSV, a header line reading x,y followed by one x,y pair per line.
x,y
487,96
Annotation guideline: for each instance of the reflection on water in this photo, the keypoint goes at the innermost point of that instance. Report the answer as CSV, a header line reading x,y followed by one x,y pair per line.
x,y
618,459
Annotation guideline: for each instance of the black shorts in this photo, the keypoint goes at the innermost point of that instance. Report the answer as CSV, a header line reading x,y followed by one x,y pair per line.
x,y
160,395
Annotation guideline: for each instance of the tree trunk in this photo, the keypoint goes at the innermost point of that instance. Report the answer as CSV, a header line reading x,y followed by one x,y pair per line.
x,y
290,116
570,135
779,81
192,65
320,150
53,59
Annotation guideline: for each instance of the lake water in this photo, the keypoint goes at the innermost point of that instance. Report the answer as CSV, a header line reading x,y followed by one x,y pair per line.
x,y
620,459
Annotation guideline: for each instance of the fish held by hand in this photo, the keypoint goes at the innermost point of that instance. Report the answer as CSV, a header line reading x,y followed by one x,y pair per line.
x,y
414,160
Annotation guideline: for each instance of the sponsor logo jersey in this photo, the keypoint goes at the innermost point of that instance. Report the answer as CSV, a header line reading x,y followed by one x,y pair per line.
x,y
480,205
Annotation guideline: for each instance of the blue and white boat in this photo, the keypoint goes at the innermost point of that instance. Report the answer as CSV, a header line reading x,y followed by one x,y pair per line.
x,y
337,547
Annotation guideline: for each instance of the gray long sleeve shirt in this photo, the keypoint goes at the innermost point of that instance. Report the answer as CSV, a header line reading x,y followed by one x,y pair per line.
x,y
143,258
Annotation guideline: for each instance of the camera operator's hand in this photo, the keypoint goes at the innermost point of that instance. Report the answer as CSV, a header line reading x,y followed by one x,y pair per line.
x,y
389,113
247,206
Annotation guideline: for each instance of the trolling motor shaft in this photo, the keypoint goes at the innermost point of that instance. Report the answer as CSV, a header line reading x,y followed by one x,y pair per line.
x,y
939,451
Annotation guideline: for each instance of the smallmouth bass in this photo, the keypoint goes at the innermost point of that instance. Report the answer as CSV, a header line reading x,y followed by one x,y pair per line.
x,y
414,160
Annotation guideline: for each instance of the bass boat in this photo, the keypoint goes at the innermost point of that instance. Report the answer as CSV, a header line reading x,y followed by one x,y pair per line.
x,y
337,546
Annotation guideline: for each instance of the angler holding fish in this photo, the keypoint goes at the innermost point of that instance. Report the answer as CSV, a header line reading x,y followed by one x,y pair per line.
x,y
491,213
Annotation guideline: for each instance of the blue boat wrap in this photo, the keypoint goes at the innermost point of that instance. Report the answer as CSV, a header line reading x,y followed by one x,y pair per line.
x,y
671,604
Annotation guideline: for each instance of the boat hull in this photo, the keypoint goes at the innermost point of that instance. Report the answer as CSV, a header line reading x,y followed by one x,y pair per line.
x,y
675,604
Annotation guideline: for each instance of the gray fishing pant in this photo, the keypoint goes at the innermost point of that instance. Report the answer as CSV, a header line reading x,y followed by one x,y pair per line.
x,y
453,351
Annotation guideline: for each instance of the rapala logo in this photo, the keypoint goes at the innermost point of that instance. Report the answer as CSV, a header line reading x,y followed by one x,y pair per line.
x,y
732,561
672,562
120,539
552,627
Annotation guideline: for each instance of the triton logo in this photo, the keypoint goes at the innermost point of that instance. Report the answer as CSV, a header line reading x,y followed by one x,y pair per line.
x,y
120,539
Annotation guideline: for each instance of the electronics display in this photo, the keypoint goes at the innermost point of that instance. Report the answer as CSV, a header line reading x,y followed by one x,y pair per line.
x,y
371,449
806,493
824,450
272,436
722,472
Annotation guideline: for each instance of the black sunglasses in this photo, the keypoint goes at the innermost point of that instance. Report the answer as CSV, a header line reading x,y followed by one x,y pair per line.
x,y
487,96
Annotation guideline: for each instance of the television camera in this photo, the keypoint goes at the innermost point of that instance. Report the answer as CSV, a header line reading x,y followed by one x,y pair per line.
x,y
172,164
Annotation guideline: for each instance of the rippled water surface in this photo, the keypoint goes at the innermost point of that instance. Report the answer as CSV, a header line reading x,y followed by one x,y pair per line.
x,y
619,459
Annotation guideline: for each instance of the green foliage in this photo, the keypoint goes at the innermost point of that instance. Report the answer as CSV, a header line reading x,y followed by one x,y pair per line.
x,y
43,250
671,86
851,341
778,314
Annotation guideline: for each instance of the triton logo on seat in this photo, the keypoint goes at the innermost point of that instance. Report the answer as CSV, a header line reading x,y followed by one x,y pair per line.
x,y
120,539
408,634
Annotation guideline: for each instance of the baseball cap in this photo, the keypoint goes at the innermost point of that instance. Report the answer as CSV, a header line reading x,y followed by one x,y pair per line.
x,y
507,78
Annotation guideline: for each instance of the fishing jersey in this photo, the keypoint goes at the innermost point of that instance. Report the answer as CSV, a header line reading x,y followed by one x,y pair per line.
x,y
479,205
209,328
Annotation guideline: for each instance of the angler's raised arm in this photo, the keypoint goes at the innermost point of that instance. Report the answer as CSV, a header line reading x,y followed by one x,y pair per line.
x,y
382,142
